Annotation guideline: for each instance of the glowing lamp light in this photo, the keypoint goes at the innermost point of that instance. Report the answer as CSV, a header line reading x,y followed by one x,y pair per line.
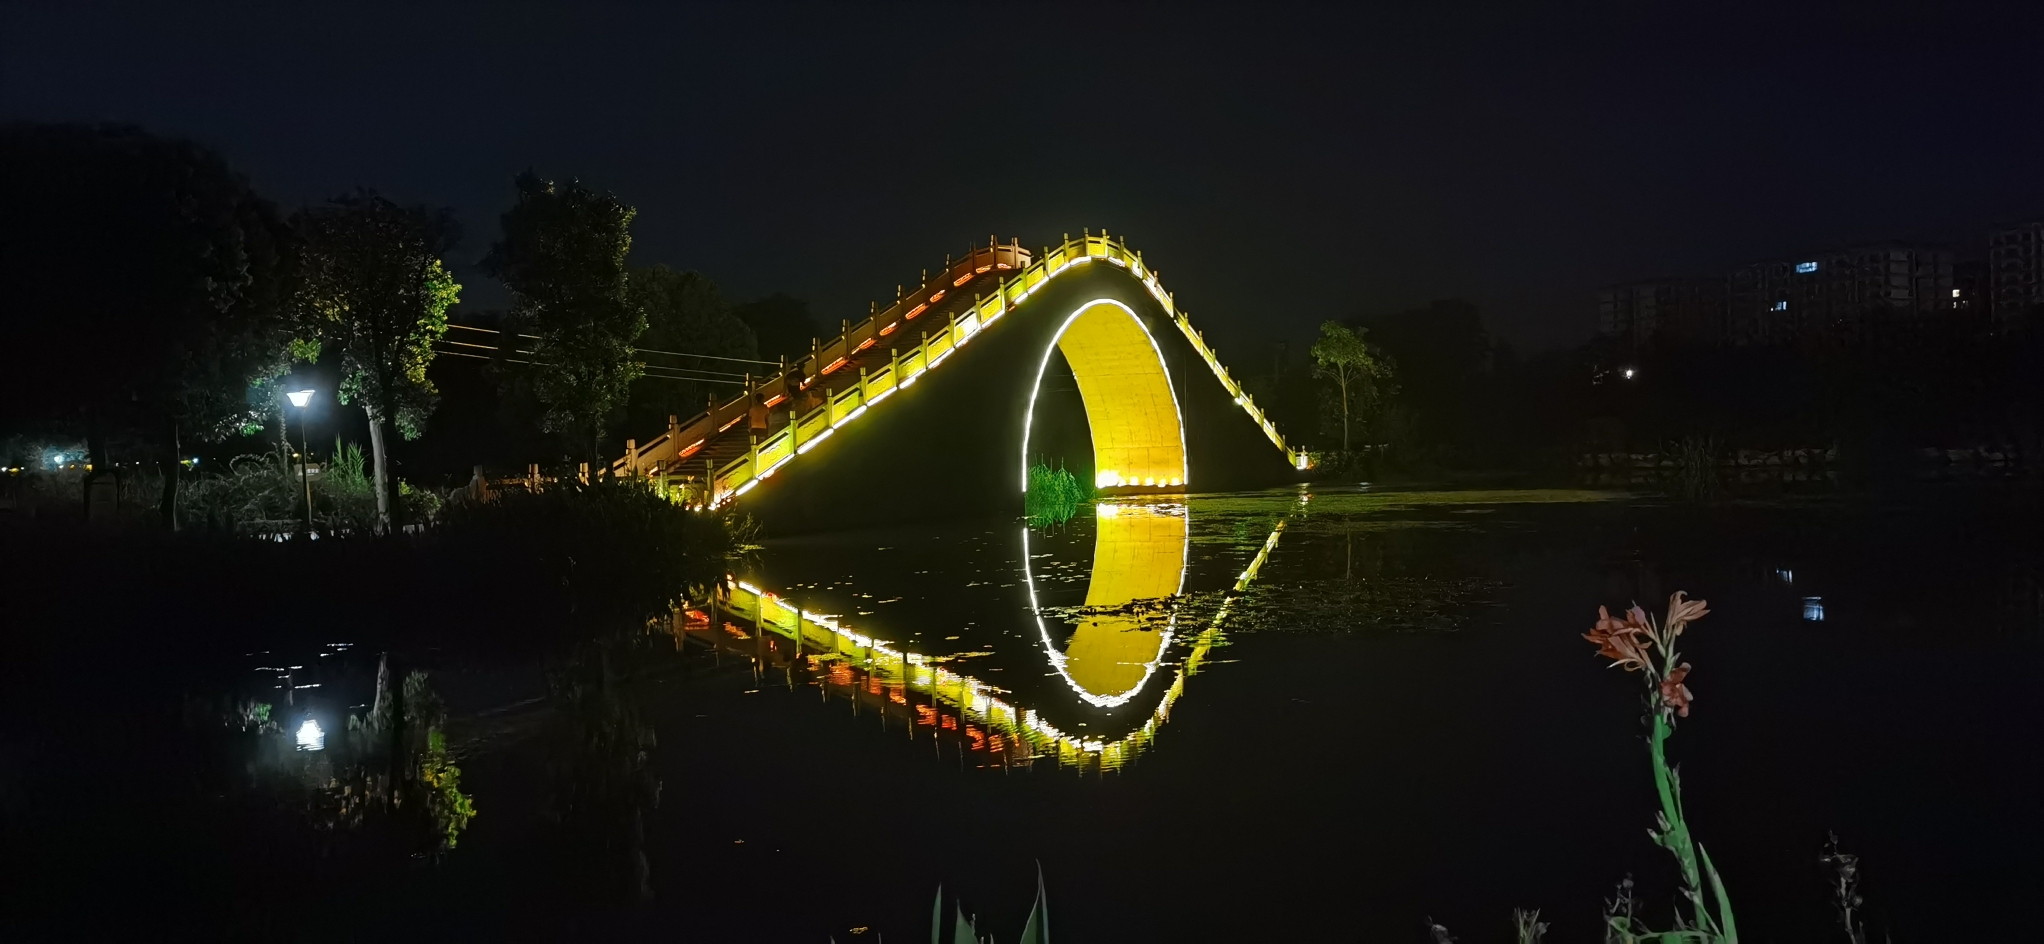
x,y
1106,478
1630,373
1302,461
310,736
299,398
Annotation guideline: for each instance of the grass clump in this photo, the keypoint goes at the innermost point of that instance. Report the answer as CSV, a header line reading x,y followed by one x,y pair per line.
x,y
1054,495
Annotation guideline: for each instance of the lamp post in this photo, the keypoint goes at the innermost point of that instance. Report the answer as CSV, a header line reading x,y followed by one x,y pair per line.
x,y
301,399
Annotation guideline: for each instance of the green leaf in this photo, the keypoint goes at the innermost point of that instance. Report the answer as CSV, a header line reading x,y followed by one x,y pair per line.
x,y
1037,929
1726,925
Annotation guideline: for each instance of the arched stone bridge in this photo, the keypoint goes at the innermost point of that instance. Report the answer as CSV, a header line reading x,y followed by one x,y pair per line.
x,y
931,400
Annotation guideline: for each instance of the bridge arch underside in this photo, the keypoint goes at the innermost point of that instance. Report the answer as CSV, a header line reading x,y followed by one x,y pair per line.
x,y
955,443
1132,409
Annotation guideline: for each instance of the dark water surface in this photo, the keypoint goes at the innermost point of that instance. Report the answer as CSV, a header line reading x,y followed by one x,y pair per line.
x,y
1393,717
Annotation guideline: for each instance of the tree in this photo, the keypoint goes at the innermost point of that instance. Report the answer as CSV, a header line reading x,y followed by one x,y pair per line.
x,y
1445,361
563,257
782,324
1341,355
684,314
142,293
375,291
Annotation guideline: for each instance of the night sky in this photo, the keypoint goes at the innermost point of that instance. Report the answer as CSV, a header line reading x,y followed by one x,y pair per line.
x,y
1279,165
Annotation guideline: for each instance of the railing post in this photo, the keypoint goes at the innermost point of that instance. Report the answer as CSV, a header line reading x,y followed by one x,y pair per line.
x,y
632,457
862,385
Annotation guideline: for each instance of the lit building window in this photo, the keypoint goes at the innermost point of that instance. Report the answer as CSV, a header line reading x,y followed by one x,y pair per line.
x,y
1781,306
1806,267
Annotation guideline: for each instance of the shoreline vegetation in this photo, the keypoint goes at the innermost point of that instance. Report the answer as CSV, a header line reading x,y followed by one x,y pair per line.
x,y
1054,496
566,580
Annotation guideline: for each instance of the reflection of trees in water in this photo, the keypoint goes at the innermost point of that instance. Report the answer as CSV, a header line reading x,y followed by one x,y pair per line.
x,y
601,765
383,788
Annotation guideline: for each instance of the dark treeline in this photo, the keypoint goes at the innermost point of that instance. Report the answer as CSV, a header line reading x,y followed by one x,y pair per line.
x,y
1874,397
157,309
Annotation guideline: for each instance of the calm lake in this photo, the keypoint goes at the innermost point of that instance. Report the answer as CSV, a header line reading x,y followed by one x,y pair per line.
x,y
1308,714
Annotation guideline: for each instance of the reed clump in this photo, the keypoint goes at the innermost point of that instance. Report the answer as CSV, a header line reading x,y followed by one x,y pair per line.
x,y
1054,495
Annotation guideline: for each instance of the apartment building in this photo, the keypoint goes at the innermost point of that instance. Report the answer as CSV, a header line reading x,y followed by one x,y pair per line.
x,y
2015,271
1849,293
1681,311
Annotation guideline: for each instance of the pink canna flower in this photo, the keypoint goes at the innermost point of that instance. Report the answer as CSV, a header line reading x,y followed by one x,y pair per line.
x,y
1674,694
1625,641
1682,612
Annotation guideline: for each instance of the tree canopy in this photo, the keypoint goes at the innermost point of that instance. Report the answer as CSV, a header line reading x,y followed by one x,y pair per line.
x,y
144,287
1342,356
783,325
684,314
375,293
563,257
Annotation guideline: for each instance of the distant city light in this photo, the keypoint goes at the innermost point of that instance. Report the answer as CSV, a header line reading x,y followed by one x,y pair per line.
x,y
310,737
1630,373
1781,306
1787,575
1806,267
1955,293
1813,609
299,398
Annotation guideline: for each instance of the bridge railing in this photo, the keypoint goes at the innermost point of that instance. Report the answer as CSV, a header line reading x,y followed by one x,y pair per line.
x,y
906,364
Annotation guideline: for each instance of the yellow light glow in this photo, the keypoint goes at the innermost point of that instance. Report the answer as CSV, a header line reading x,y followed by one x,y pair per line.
x,y
1139,553
1131,408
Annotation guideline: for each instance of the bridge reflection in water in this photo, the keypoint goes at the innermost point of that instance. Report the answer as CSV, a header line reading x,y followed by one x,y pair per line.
x,y
1113,653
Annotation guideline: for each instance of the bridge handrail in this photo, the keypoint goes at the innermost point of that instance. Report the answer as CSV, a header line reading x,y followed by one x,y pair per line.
x,y
764,458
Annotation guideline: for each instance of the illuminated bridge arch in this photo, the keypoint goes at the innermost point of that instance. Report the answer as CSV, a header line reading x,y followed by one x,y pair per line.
x,y
855,434
1131,407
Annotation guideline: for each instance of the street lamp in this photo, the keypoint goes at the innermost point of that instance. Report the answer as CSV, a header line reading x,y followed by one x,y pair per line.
x,y
301,399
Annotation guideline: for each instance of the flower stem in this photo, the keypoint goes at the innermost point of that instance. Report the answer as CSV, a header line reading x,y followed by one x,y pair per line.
x,y
1676,837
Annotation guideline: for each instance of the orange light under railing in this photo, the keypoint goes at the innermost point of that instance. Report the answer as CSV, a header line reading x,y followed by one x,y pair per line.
x,y
734,422
919,309
691,450
840,362
938,297
865,344
961,280
889,329
777,398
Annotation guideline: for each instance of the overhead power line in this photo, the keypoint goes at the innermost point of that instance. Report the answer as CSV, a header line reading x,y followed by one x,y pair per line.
x,y
677,372
640,350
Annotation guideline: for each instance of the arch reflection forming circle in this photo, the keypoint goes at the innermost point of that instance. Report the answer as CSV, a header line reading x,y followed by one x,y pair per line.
x,y
1140,552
